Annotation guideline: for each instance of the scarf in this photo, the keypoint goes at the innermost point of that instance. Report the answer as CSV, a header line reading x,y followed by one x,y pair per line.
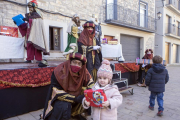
x,y
32,15
71,82
86,38
148,57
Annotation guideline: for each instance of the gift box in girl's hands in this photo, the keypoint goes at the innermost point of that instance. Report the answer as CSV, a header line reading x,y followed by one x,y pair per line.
x,y
95,97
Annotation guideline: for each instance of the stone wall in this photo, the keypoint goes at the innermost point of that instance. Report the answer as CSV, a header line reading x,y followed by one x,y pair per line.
x,y
9,10
134,5
84,8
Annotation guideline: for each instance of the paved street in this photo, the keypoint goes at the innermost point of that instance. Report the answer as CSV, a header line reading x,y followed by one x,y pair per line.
x,y
135,107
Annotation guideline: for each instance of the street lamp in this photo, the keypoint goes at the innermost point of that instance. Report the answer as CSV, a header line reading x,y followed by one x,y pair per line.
x,y
159,14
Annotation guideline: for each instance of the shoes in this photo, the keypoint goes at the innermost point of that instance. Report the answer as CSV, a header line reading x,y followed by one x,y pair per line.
x,y
141,85
79,117
160,113
151,108
28,61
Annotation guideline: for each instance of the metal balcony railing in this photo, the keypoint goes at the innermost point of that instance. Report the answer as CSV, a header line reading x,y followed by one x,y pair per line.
x,y
122,15
172,29
175,3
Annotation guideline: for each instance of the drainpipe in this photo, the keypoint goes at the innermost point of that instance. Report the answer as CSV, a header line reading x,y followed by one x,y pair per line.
x,y
27,9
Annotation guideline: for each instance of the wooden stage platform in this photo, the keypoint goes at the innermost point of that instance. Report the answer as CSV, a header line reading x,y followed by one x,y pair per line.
x,y
21,65
23,87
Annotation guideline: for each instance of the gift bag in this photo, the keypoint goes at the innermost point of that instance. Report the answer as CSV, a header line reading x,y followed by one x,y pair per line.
x,y
95,97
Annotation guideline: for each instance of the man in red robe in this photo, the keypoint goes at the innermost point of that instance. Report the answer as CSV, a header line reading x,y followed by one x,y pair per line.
x,y
33,49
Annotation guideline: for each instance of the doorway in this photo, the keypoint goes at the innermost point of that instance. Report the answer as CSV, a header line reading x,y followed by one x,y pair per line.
x,y
167,52
54,38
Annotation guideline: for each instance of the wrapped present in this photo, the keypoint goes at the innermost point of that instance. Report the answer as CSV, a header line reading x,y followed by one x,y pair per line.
x,y
104,40
18,19
9,31
148,61
112,42
95,97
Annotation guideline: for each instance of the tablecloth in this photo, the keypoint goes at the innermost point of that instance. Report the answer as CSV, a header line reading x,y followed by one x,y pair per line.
x,y
11,47
109,51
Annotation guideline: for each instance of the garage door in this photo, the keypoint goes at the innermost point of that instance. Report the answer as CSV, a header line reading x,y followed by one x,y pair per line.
x,y
130,47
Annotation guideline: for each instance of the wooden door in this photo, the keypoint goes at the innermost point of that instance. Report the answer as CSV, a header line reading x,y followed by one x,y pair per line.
x,y
167,52
108,37
174,53
56,38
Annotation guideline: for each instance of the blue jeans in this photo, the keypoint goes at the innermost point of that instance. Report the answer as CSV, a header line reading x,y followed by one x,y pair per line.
x,y
159,100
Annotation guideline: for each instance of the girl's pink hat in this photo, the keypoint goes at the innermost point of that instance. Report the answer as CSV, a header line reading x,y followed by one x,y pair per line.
x,y
105,70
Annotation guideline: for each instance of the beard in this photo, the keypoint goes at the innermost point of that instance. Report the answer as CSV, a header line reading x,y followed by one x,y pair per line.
x,y
78,22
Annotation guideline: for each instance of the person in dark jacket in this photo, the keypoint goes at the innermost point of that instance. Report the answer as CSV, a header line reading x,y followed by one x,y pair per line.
x,y
156,78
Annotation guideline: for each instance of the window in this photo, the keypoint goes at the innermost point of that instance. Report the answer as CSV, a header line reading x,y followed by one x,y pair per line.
x,y
110,9
178,28
143,14
54,38
168,24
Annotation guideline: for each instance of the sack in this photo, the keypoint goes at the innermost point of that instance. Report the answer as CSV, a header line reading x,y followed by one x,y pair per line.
x,y
95,97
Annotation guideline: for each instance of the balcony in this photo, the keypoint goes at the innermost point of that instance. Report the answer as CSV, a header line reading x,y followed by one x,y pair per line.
x,y
172,30
118,15
173,5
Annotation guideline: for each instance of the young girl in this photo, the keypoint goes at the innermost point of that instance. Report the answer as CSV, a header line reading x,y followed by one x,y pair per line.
x,y
114,98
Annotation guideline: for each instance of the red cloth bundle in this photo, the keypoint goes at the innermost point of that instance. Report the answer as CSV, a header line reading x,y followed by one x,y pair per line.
x,y
95,97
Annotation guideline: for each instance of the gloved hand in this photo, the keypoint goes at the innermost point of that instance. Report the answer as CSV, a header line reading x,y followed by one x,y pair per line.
x,y
79,99
88,88
25,19
79,28
14,22
143,65
96,47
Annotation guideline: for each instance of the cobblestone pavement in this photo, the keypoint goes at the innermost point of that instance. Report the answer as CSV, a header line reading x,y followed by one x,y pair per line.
x,y
135,107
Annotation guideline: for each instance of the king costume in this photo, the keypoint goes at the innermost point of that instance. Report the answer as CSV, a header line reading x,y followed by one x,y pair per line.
x,y
34,32
86,43
65,87
72,35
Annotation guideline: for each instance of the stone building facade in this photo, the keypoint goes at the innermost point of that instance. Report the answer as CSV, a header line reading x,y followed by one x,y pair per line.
x,y
85,8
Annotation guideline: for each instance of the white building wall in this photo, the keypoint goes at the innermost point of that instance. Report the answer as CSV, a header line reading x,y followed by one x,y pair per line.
x,y
115,31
